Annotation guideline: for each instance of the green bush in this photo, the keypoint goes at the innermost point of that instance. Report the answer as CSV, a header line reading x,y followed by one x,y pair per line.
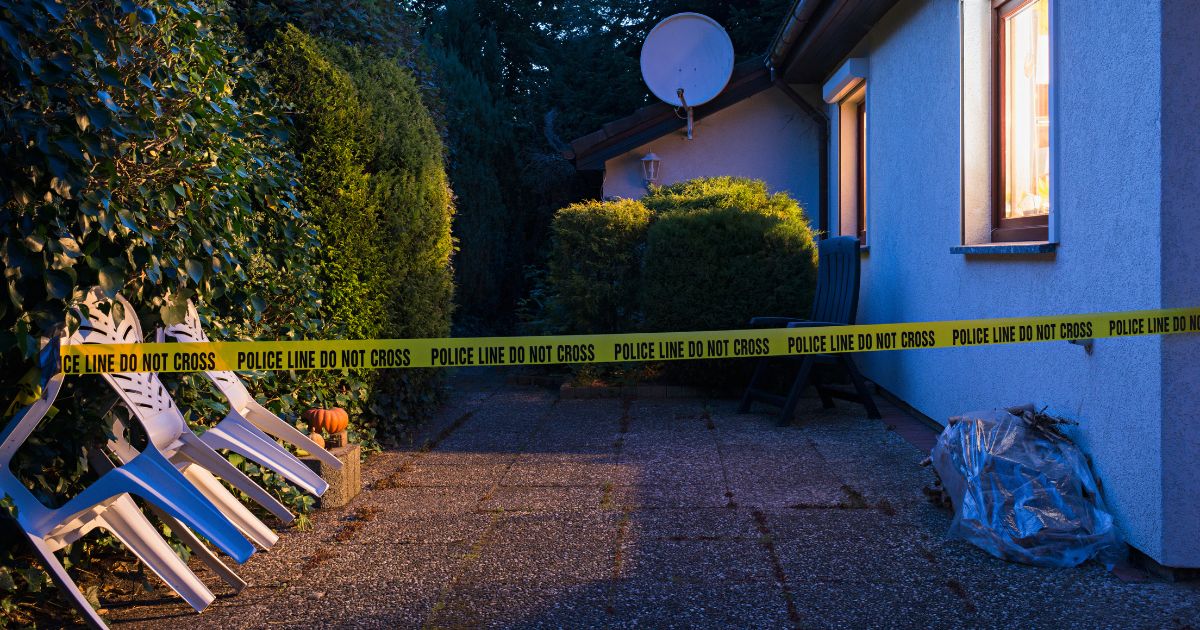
x,y
723,250
375,185
409,189
720,251
142,152
331,128
595,266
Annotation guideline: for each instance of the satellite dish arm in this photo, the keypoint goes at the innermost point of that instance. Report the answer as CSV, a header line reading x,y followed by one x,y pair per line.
x,y
688,109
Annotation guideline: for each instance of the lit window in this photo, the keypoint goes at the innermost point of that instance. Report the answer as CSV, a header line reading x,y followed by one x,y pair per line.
x,y
1022,185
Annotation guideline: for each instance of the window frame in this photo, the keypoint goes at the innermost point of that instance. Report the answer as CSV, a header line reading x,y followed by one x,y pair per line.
x,y
860,159
1004,229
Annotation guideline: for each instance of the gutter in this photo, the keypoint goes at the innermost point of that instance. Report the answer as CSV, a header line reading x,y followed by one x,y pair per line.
x,y
822,122
797,19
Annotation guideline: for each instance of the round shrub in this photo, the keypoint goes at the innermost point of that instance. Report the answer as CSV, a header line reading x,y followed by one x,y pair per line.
x,y
595,266
721,251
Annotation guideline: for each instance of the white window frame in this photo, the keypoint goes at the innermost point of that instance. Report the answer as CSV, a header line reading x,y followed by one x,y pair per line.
x,y
977,118
844,91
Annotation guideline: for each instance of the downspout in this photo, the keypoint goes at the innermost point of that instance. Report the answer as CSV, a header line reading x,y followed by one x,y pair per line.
x,y
822,122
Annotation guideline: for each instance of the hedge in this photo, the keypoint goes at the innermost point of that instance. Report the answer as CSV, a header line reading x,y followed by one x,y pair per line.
x,y
723,250
595,266
141,152
705,254
404,157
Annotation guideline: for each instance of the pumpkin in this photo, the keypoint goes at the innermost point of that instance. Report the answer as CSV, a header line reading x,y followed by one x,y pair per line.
x,y
328,420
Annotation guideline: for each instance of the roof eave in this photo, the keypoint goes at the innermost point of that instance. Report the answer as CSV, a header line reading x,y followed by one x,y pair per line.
x,y
590,152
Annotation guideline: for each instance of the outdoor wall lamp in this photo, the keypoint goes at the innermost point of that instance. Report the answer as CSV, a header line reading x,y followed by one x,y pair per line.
x,y
650,168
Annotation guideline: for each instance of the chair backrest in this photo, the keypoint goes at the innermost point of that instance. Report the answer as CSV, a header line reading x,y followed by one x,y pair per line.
x,y
143,393
190,331
836,298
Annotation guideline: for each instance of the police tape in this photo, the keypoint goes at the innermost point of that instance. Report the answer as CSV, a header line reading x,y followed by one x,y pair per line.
x,y
607,348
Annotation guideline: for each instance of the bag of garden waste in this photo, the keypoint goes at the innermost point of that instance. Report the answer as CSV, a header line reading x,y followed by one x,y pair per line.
x,y
1022,491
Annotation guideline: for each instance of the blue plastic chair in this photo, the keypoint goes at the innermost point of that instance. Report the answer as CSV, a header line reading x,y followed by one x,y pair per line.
x,y
107,504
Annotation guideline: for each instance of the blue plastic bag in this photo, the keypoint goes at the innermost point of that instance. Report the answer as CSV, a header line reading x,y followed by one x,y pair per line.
x,y
1023,492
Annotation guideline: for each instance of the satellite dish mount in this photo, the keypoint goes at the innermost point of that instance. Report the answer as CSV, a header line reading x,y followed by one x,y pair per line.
x,y
687,57
688,109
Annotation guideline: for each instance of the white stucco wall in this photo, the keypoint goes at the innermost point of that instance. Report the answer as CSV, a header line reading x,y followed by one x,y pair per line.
x,y
766,137
1107,194
1180,72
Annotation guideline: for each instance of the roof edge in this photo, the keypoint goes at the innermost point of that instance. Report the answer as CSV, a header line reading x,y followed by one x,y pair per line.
x,y
591,151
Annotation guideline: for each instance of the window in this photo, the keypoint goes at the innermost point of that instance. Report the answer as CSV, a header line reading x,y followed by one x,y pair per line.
x,y
1021,160
846,93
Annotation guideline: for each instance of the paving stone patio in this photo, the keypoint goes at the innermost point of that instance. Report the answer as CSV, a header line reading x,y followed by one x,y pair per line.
x,y
530,511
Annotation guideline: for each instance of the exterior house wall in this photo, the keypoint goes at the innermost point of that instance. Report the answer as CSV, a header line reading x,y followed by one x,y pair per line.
x,y
1180,83
766,137
1107,195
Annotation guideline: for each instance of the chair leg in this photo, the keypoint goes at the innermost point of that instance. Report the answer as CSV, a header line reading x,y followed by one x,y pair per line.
x,y
201,550
129,525
195,450
231,509
154,479
270,424
826,398
760,370
65,584
860,385
243,438
798,385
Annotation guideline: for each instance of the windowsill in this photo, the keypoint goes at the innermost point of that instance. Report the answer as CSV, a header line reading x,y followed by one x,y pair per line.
x,y
1022,248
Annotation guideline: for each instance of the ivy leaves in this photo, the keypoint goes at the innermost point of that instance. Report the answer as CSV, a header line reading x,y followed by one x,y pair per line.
x,y
136,151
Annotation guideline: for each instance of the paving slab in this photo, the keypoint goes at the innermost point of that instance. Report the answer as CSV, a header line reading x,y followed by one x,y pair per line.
x,y
513,509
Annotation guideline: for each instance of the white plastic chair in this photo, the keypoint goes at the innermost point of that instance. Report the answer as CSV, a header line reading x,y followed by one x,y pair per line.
x,y
107,504
150,403
245,429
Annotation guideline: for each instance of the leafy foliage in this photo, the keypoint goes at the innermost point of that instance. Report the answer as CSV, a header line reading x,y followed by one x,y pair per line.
x,y
596,266
129,161
409,188
331,131
705,254
141,154
723,250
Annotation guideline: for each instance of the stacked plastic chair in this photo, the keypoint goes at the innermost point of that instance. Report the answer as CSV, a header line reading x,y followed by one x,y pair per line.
x,y
148,400
245,429
176,473
107,504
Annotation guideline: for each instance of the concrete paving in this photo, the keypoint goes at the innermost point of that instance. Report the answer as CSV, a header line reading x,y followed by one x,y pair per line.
x,y
533,512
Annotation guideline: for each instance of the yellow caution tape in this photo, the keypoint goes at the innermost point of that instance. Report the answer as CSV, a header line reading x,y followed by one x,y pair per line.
x,y
666,346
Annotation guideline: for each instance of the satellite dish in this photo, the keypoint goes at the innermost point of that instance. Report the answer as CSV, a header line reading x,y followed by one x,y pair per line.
x,y
687,60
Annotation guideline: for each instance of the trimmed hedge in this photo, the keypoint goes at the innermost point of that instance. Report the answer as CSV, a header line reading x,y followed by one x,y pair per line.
x,y
375,185
705,254
411,194
595,266
723,250
331,129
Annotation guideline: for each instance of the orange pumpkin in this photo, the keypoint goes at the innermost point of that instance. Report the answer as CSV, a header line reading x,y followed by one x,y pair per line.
x,y
328,420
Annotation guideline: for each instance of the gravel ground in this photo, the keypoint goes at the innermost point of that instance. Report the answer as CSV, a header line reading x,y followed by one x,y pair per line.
x,y
535,512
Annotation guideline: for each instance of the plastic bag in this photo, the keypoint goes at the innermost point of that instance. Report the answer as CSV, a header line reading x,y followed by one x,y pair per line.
x,y
1022,491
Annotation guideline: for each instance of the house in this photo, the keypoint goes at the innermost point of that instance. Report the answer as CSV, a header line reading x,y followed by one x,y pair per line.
x,y
996,158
